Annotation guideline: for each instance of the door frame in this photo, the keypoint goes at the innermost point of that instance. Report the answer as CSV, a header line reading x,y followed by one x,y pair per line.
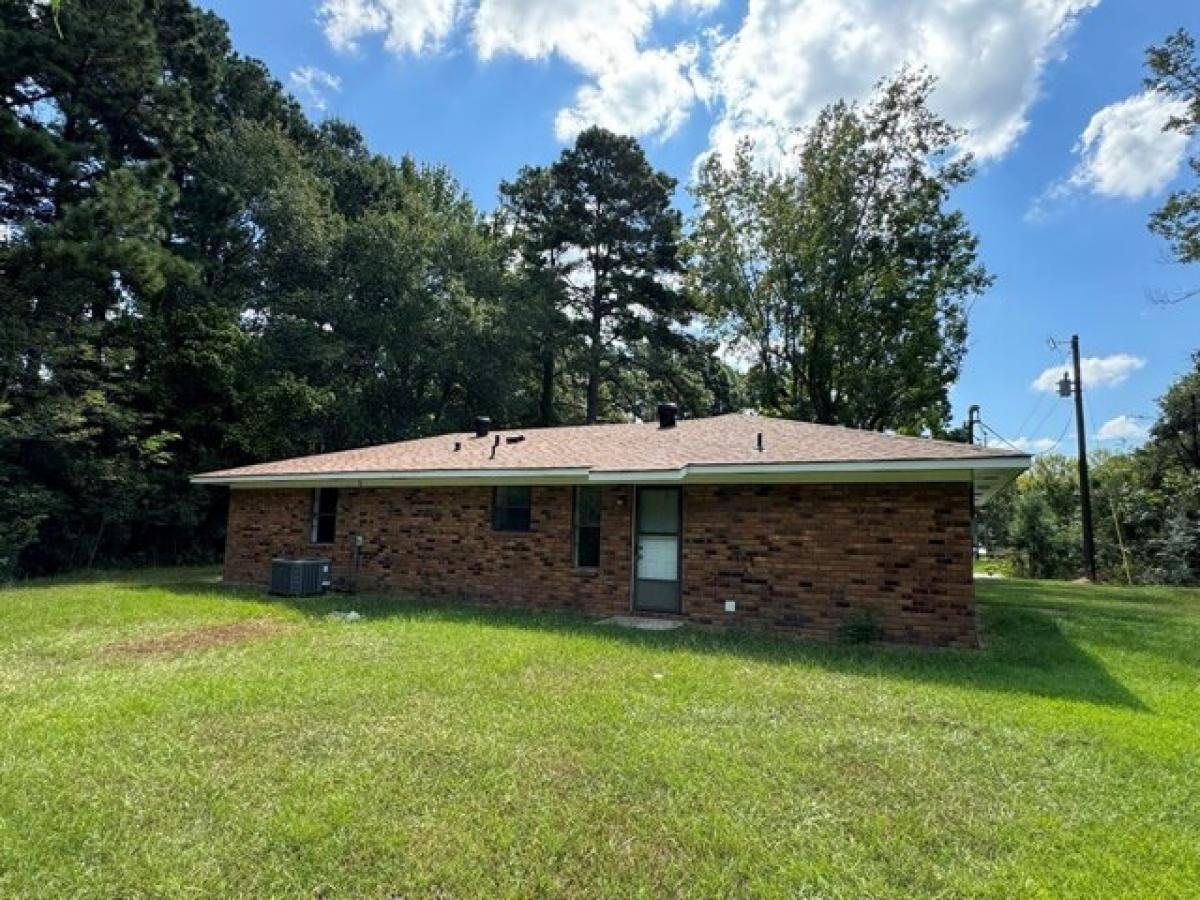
x,y
635,531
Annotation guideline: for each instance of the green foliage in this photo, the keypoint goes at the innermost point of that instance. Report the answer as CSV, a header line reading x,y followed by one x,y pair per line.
x,y
1175,435
1173,553
860,627
199,277
1175,70
835,277
599,237
1041,546
1146,505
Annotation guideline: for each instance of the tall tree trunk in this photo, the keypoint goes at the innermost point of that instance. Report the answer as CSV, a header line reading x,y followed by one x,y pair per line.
x,y
546,395
594,353
593,388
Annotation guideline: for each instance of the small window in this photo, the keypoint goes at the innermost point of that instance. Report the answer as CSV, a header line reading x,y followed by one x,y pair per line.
x,y
587,527
324,515
511,509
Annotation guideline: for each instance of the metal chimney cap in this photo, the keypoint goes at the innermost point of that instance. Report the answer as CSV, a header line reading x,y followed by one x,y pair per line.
x,y
668,413
482,425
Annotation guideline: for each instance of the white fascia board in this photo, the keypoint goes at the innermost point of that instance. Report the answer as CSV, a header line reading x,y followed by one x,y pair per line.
x,y
418,478
996,470
920,469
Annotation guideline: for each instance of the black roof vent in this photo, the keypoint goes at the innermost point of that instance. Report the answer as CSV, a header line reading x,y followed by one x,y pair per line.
x,y
667,414
514,439
482,426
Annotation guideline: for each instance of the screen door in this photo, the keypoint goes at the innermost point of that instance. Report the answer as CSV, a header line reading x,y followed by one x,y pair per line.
x,y
656,574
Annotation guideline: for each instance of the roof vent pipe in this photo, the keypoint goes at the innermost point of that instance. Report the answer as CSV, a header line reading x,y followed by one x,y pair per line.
x,y
667,414
482,426
760,442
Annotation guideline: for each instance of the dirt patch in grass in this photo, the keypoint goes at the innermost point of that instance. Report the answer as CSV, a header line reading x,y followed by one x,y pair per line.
x,y
202,638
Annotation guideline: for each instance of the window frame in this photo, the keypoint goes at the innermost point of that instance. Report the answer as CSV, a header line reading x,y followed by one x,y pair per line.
x,y
505,525
320,514
577,527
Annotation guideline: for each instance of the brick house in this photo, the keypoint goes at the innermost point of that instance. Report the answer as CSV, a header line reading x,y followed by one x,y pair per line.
x,y
735,519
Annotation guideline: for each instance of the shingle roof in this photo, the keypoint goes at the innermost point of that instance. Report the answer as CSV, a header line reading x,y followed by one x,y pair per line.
x,y
729,440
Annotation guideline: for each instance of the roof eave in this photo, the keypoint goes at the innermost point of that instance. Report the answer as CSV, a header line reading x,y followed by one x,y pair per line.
x,y
988,473
415,478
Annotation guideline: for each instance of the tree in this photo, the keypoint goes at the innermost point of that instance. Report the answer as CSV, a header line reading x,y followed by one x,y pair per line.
x,y
1174,70
1147,504
844,279
599,221
196,276
529,208
1041,551
1175,434
89,127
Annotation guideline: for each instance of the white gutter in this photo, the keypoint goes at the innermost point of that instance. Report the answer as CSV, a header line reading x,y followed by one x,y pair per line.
x,y
989,474
385,478
694,472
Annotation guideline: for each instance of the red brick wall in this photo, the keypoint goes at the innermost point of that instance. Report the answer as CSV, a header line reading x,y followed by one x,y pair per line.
x,y
438,542
812,556
798,557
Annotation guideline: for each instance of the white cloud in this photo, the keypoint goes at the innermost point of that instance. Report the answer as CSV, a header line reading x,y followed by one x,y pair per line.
x,y
792,57
1097,371
631,89
652,93
783,62
1035,445
310,84
407,26
1124,152
1121,428
597,37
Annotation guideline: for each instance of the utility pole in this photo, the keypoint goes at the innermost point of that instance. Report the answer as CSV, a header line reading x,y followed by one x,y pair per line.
x,y
972,418
1065,389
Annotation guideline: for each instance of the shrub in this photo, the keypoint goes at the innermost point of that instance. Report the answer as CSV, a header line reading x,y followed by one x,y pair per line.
x,y
861,627
1040,545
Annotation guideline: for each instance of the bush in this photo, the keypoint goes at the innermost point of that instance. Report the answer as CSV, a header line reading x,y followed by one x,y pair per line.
x,y
860,627
1173,554
1041,548
23,509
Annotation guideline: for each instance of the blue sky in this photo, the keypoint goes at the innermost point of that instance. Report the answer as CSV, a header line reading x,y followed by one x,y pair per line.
x,y
1072,156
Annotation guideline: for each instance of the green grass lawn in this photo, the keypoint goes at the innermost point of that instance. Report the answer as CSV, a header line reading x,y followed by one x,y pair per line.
x,y
162,735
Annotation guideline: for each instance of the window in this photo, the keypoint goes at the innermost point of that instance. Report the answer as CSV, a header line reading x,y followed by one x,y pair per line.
x,y
587,527
324,515
510,509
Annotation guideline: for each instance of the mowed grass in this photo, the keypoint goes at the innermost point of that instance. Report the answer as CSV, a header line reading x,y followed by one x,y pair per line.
x,y
162,735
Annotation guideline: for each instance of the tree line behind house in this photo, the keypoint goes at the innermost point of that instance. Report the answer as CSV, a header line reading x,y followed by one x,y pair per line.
x,y
195,276
1145,506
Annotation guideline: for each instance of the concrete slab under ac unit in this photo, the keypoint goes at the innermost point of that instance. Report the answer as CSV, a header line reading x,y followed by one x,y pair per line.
x,y
643,622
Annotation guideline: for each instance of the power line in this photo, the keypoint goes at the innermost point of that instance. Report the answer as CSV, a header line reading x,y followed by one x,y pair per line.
x,y
998,436
1062,434
1032,412
1046,418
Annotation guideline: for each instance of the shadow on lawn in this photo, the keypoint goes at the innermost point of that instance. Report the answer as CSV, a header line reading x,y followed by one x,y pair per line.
x,y
1026,651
